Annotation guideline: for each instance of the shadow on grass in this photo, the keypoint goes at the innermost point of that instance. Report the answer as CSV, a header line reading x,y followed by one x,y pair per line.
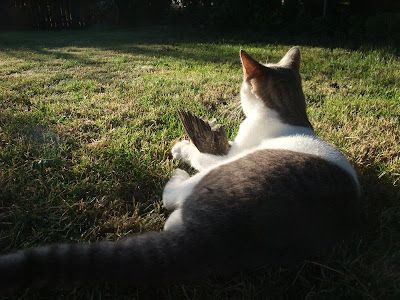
x,y
381,213
171,42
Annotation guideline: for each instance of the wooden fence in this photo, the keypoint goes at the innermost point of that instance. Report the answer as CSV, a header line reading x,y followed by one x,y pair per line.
x,y
65,14
56,14
48,14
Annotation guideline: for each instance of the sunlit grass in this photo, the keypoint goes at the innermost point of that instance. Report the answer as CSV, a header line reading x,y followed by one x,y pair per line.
x,y
102,104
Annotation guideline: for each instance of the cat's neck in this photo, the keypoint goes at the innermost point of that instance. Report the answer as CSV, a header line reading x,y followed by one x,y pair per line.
x,y
257,128
262,122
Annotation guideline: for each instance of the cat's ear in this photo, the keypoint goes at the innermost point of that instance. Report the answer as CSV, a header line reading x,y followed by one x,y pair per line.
x,y
251,68
292,59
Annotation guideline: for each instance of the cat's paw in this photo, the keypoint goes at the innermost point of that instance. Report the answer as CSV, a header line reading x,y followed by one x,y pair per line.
x,y
172,194
183,150
179,175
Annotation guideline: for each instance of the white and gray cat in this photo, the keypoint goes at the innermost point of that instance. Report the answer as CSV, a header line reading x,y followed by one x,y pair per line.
x,y
280,195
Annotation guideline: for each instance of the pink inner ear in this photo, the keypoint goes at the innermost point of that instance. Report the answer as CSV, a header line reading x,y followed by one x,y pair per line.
x,y
251,68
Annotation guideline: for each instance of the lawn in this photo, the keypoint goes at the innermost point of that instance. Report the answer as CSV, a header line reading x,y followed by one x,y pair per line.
x,y
88,119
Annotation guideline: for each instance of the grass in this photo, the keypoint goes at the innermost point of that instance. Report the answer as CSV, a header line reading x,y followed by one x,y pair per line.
x,y
88,118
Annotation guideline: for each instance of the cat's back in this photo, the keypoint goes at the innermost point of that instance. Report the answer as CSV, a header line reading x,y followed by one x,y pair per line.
x,y
279,173
310,144
288,202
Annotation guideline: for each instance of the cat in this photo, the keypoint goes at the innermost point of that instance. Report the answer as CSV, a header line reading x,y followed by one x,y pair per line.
x,y
279,195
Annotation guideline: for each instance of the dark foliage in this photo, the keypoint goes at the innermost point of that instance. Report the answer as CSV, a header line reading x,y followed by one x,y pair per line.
x,y
350,18
232,13
46,14
57,14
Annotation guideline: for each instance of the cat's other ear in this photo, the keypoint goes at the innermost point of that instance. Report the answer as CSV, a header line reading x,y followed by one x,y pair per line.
x,y
292,59
251,68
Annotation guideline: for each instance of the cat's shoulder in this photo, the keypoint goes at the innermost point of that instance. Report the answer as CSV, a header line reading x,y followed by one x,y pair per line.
x,y
310,144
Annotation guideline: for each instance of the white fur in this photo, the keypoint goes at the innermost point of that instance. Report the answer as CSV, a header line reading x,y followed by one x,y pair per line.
x,y
174,221
310,144
262,129
173,194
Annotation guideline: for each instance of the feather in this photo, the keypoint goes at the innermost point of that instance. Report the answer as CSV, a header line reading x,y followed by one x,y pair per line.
x,y
207,139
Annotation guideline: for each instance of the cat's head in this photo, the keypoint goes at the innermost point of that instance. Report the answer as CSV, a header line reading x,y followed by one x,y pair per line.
x,y
274,89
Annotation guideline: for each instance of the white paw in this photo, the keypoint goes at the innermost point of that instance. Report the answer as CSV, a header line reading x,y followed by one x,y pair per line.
x,y
174,221
179,175
183,150
171,193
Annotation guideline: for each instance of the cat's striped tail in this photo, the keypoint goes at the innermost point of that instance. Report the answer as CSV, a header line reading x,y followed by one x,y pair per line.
x,y
149,259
